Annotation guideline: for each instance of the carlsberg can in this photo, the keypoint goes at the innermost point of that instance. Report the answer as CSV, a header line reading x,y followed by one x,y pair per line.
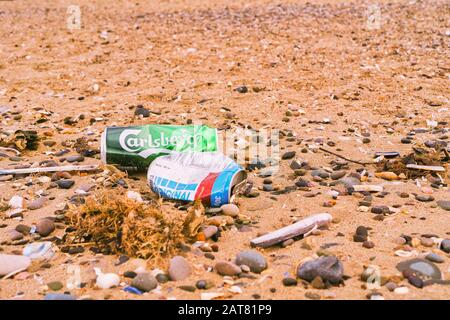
x,y
135,147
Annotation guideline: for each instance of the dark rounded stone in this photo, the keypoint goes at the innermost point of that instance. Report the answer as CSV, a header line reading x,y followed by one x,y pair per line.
x,y
141,111
162,278
288,155
129,274
289,282
329,268
65,183
242,89
201,284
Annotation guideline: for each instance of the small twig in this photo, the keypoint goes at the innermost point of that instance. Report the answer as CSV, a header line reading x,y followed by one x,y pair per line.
x,y
342,157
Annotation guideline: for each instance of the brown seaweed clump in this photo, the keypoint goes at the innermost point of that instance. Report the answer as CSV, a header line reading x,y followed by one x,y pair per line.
x,y
21,140
110,219
420,156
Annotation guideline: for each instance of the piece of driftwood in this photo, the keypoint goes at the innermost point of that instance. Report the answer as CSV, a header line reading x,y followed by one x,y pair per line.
x,y
367,188
48,169
300,227
428,168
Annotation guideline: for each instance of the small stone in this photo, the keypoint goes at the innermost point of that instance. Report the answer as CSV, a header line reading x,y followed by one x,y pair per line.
x,y
421,268
230,209
368,244
242,89
295,165
65,183
312,296
201,284
401,290
329,268
141,111
424,198
288,155
320,173
179,268
226,268
427,242
317,283
415,281
253,259
15,235
75,158
187,288
336,175
445,245
162,278
45,227
289,282
129,274
391,286
433,257
380,209
55,285
209,231
144,282
37,203
23,229
444,204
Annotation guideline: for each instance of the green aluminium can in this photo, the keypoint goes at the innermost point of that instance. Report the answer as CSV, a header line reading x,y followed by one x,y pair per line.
x,y
135,147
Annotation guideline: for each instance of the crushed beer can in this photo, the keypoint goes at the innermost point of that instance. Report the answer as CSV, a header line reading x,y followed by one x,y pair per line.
x,y
136,147
209,176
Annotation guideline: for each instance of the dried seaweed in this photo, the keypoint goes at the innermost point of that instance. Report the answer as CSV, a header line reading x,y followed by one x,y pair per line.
x,y
419,156
110,219
21,140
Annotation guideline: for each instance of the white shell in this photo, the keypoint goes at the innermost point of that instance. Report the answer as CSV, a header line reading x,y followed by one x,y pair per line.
x,y
39,250
106,280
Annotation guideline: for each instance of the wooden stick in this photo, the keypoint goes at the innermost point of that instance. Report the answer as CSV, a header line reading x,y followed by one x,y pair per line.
x,y
49,169
300,227
342,157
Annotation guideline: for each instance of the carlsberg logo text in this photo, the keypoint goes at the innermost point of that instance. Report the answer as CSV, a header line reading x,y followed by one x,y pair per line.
x,y
131,140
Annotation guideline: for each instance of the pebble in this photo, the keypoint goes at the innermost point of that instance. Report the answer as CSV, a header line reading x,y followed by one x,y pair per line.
x,y
421,268
329,268
187,288
368,244
106,280
230,210
201,284
55,285
65,183
433,257
12,263
129,274
15,235
23,229
401,290
445,245
162,278
226,268
295,165
391,286
424,198
75,158
209,231
141,111
444,204
37,203
252,259
336,175
288,155
242,89
45,227
144,282
312,296
320,173
289,282
380,209
179,268
427,242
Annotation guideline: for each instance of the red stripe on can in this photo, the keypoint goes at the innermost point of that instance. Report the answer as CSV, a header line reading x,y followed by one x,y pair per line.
x,y
205,187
